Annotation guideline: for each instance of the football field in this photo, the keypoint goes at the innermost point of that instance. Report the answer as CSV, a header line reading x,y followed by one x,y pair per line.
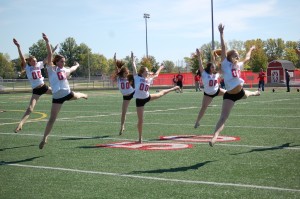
x,y
258,155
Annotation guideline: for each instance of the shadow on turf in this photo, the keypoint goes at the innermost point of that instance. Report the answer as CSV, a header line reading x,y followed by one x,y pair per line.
x,y
19,161
267,149
16,147
177,169
86,138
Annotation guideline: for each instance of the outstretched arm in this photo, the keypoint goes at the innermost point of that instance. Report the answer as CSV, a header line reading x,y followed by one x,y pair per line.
x,y
55,48
198,53
134,72
73,68
23,61
115,58
223,47
158,71
248,55
45,61
49,50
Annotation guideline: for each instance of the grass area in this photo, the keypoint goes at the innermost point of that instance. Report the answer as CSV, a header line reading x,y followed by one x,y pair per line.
x,y
265,163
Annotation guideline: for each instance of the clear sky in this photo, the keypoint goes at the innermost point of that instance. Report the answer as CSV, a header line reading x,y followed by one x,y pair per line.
x,y
175,27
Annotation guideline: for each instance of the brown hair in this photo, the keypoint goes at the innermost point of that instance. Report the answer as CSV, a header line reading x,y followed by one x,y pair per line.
x,y
208,67
142,70
120,72
57,58
119,63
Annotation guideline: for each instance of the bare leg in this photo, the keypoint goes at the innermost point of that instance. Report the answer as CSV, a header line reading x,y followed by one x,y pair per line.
x,y
123,116
32,103
54,112
162,93
251,93
226,109
78,95
205,102
140,113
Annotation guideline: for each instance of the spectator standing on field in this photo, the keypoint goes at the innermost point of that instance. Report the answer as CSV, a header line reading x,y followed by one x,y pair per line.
x,y
287,80
261,81
197,79
180,79
174,80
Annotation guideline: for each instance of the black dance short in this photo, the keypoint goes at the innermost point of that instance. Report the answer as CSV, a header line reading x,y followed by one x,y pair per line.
x,y
234,97
63,99
128,97
40,90
142,102
214,95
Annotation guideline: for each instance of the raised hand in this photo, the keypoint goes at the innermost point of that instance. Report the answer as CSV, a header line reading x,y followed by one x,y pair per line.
x,y
221,28
16,42
45,37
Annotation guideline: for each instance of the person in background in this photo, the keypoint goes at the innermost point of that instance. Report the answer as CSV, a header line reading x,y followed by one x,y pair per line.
x,y
61,91
125,85
231,68
197,79
36,79
261,82
180,79
174,80
142,82
287,80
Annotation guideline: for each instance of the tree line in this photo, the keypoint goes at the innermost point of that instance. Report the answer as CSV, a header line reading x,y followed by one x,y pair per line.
x,y
97,64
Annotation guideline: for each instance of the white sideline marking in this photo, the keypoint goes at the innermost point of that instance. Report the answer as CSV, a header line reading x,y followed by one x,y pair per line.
x,y
159,179
112,138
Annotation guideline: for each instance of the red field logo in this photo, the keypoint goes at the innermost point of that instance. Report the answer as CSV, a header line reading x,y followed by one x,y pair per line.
x,y
146,146
198,138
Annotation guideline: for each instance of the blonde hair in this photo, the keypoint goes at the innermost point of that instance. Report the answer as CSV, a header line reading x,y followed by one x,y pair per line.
x,y
29,59
230,53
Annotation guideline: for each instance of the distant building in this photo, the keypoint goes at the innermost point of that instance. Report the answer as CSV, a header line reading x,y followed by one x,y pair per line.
x,y
275,70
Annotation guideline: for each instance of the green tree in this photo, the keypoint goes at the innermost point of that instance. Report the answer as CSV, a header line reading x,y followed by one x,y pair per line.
x,y
83,58
69,49
259,58
290,53
99,64
6,67
274,49
194,63
169,66
39,50
237,45
150,63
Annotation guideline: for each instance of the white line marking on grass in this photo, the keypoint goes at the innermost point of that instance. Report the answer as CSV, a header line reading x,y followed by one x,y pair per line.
x,y
158,179
120,138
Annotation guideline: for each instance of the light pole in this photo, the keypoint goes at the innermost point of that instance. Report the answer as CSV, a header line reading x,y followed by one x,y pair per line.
x,y
212,25
146,16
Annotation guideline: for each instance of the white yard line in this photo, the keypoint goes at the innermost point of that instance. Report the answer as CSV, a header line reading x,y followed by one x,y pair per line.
x,y
157,178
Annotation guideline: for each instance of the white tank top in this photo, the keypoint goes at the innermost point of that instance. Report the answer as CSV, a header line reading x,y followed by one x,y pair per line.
x,y
231,74
34,74
210,82
124,86
58,81
142,86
